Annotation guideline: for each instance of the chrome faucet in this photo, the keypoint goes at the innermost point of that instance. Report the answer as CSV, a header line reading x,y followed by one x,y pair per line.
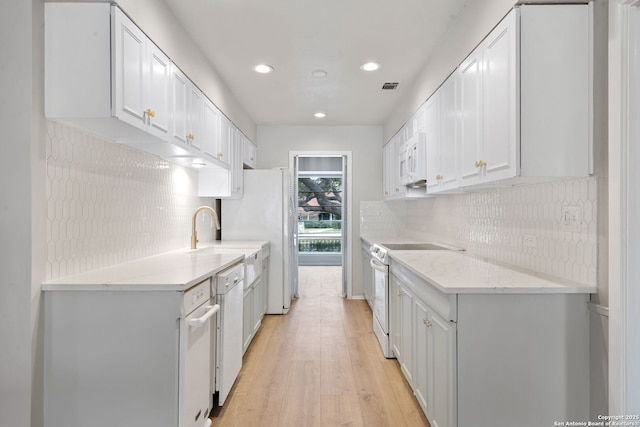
x,y
194,233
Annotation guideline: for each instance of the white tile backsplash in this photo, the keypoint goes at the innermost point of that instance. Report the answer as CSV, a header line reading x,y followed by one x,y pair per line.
x,y
108,203
493,223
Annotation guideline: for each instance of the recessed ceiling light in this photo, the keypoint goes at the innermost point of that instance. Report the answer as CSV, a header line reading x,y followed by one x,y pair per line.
x,y
320,115
263,69
370,66
319,74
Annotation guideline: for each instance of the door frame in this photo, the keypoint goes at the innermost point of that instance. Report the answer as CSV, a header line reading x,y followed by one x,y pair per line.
x,y
624,208
347,209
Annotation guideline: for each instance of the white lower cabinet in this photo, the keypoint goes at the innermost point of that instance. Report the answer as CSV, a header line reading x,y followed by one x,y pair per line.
x,y
255,297
424,344
490,359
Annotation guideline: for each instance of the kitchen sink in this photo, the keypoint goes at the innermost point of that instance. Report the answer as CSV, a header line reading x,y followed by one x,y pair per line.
x,y
414,247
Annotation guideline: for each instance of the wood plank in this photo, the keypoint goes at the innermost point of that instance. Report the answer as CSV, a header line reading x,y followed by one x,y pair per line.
x,y
319,365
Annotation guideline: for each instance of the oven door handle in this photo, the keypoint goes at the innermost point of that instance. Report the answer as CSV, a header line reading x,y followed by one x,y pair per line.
x,y
377,265
211,310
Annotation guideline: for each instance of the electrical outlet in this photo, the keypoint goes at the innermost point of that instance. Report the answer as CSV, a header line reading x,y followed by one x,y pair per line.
x,y
529,241
571,218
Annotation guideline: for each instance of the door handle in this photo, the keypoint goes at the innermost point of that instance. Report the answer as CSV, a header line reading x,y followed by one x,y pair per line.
x,y
377,266
211,310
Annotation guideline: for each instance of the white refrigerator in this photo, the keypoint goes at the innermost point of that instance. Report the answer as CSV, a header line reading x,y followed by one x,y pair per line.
x,y
267,211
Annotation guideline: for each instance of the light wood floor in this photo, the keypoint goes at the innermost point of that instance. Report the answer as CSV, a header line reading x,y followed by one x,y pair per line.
x,y
320,365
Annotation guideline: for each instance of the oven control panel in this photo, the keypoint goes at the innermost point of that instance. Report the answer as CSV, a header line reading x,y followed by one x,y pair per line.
x,y
380,253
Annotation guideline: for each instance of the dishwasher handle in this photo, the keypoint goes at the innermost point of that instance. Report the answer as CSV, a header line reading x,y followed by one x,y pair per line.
x,y
377,265
198,322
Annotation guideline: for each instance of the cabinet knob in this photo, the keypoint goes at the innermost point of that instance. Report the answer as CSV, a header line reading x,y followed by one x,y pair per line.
x,y
149,112
238,188
439,177
219,153
399,293
426,322
480,163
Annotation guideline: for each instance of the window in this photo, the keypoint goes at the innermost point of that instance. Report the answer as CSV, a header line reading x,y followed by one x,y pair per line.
x,y
319,213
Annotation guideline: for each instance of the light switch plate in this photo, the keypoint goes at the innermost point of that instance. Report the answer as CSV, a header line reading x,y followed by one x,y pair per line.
x,y
571,218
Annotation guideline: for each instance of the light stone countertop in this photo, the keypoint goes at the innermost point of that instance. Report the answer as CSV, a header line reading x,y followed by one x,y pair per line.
x,y
454,272
171,271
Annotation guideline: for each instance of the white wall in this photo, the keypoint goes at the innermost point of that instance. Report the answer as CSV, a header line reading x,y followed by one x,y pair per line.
x,y
159,23
21,213
365,142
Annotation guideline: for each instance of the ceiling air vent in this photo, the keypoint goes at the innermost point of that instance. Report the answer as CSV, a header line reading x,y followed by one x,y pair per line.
x,y
389,86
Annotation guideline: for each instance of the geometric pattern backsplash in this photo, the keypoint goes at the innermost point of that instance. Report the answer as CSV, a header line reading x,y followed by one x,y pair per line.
x,y
521,226
108,203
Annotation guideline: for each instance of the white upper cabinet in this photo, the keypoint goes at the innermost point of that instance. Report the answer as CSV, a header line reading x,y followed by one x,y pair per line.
x,y
141,79
516,110
447,173
209,137
488,110
524,97
188,113
249,153
391,167
103,75
227,136
469,105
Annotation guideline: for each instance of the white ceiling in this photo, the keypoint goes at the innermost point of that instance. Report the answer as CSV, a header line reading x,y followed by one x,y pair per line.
x,y
297,37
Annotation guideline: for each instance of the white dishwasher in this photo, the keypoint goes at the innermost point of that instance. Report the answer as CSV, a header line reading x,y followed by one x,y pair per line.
x,y
229,291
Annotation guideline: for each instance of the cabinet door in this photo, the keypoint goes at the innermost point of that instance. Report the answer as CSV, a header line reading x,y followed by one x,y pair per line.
x,y
226,138
422,350
432,133
256,306
180,101
399,191
210,128
440,375
236,164
448,136
157,92
130,71
500,145
395,299
247,318
469,77
386,171
406,334
195,117
249,153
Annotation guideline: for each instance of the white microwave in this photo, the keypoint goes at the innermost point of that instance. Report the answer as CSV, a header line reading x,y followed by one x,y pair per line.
x,y
413,160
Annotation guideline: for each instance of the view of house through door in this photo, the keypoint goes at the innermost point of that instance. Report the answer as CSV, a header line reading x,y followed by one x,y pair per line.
x,y
320,188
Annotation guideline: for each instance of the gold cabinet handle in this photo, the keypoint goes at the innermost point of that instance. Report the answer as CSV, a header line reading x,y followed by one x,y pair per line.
x,y
219,154
149,112
426,322
439,177
238,188
399,293
480,163
190,137
386,193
